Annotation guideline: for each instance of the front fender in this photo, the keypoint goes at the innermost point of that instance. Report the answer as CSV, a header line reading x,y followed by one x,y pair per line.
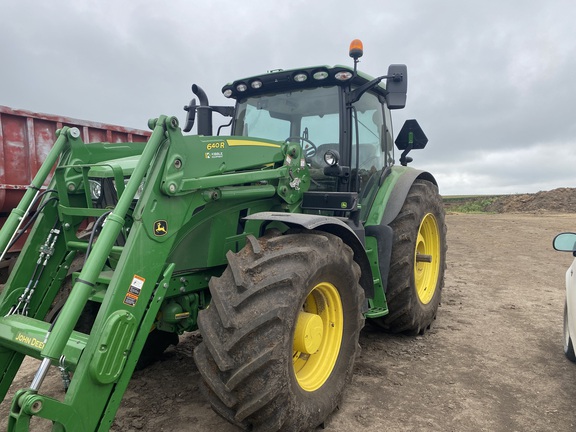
x,y
330,225
386,206
393,193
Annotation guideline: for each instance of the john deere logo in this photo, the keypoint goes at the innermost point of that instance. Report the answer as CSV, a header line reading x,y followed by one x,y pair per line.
x,y
160,228
343,204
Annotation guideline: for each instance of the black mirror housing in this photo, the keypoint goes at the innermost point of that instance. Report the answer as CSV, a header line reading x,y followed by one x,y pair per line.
x,y
396,86
411,137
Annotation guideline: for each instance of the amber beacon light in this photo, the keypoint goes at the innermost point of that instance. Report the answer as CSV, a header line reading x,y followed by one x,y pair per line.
x,y
356,49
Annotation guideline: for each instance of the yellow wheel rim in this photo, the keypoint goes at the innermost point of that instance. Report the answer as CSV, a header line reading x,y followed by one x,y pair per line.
x,y
317,336
427,258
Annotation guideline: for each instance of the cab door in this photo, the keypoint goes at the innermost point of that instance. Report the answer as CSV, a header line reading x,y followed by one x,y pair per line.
x,y
372,147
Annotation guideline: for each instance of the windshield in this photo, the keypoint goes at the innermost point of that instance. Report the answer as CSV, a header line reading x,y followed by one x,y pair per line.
x,y
311,113
311,117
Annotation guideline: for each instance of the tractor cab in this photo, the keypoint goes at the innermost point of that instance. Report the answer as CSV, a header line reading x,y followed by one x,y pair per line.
x,y
340,117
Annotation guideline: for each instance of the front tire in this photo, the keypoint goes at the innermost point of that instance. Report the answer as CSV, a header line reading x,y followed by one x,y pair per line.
x,y
418,261
281,333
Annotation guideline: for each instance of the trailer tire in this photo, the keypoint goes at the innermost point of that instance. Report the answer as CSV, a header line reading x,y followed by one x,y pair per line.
x,y
415,285
281,333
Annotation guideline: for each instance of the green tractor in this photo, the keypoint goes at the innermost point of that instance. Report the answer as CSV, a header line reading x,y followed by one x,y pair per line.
x,y
275,243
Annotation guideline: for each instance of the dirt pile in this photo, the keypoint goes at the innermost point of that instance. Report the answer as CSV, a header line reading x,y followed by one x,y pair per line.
x,y
561,200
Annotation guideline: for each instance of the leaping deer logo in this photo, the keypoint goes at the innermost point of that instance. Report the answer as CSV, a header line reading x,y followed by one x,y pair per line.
x,y
160,228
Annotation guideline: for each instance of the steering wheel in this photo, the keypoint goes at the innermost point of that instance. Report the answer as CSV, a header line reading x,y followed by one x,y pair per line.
x,y
309,148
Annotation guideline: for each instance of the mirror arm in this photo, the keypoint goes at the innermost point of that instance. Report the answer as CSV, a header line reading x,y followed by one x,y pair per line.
x,y
226,111
404,160
356,94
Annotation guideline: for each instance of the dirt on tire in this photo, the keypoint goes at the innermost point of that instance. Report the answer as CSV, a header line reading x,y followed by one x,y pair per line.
x,y
246,357
408,314
493,360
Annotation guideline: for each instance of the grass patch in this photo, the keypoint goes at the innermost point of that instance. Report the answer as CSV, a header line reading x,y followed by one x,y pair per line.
x,y
469,204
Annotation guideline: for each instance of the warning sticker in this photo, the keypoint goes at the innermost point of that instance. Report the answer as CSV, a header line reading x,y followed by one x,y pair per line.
x,y
134,290
130,299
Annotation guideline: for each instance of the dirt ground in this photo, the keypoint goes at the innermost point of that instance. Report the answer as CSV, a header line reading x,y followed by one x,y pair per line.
x,y
493,360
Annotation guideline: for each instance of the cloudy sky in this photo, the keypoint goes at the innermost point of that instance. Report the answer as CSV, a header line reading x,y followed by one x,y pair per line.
x,y
492,83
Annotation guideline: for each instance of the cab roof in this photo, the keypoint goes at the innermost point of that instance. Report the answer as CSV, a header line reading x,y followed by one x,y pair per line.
x,y
295,79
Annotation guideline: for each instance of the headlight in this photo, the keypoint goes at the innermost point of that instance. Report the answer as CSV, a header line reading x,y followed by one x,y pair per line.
x,y
95,189
100,185
139,191
331,157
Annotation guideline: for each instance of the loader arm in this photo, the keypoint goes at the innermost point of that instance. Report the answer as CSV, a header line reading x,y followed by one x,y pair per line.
x,y
104,360
137,266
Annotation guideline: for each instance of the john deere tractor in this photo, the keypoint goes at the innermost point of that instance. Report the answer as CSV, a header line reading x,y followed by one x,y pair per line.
x,y
275,242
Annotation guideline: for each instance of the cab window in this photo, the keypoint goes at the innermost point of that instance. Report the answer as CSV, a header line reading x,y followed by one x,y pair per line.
x,y
367,134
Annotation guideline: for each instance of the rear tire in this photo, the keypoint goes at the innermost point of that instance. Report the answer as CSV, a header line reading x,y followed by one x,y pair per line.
x,y
418,261
281,333
568,346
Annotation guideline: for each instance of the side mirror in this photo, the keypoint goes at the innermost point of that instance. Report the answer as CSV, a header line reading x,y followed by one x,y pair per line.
x,y
411,137
565,242
204,111
191,116
396,86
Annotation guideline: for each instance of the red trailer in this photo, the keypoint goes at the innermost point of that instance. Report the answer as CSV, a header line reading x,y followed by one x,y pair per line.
x,y
25,139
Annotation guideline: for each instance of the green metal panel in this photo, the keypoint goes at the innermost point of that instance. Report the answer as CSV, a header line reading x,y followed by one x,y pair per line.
x,y
383,195
114,343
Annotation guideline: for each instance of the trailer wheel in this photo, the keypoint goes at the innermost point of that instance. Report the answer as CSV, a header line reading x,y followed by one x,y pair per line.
x,y
418,261
281,333
568,346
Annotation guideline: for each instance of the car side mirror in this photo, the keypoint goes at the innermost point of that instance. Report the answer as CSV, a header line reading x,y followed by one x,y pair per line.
x,y
565,242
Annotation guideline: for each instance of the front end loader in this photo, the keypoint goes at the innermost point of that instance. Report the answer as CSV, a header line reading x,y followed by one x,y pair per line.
x,y
276,242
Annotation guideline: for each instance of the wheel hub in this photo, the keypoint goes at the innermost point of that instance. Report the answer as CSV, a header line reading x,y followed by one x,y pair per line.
x,y
426,260
308,333
317,336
